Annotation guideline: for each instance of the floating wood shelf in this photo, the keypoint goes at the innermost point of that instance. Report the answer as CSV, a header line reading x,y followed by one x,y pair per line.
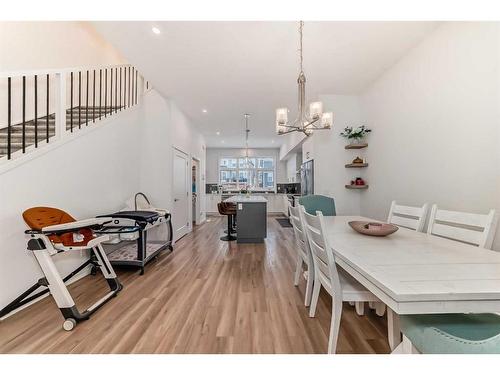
x,y
356,146
356,165
356,187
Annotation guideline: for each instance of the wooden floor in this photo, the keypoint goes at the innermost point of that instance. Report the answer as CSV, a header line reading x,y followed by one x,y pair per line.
x,y
208,296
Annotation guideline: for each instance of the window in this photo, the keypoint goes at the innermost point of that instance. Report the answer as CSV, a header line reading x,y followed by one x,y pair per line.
x,y
238,173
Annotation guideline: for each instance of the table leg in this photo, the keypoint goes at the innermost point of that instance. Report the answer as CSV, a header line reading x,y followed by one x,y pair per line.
x,y
393,329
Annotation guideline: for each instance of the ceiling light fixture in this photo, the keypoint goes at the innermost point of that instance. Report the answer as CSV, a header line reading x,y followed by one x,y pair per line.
x,y
156,30
204,110
305,122
248,162
218,133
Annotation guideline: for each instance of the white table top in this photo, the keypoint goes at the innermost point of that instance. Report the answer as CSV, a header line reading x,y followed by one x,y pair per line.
x,y
245,199
413,267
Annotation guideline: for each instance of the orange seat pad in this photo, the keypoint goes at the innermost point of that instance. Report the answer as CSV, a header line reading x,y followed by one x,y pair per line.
x,y
40,217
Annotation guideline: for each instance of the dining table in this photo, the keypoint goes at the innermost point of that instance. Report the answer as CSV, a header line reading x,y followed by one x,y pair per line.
x,y
416,273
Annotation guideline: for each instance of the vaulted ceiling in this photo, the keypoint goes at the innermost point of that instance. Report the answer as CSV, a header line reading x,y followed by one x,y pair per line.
x,y
232,68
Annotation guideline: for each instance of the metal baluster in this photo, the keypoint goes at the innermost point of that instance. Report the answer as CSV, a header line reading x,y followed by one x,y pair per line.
x,y
36,111
132,86
136,77
100,90
129,84
116,90
47,117
87,107
71,103
93,97
120,88
9,117
79,100
111,94
105,91
24,114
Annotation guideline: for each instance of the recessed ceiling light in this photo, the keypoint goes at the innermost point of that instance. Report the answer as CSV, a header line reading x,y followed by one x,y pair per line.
x,y
218,133
156,30
204,110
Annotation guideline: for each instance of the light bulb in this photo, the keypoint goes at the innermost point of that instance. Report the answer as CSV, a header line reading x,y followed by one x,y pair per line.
x,y
315,110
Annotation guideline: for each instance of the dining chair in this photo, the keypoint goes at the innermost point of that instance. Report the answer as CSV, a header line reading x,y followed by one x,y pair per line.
x,y
338,283
475,229
303,254
455,333
408,216
322,203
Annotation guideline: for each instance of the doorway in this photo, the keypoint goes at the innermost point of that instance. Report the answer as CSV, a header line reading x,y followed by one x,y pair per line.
x,y
180,192
195,190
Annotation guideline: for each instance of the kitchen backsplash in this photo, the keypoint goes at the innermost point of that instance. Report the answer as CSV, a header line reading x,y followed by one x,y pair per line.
x,y
210,188
291,188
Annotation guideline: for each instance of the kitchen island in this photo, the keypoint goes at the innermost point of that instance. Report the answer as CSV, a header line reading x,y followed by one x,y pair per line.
x,y
251,218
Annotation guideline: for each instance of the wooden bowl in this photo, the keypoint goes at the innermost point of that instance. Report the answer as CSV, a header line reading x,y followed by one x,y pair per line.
x,y
373,229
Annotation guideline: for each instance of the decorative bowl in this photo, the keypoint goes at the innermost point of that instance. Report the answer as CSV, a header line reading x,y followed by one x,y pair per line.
x,y
373,229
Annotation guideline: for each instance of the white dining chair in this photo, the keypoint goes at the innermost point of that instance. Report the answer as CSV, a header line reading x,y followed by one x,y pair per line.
x,y
304,255
475,229
338,283
408,216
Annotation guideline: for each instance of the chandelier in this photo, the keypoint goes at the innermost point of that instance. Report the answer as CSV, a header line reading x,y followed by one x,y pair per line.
x,y
305,122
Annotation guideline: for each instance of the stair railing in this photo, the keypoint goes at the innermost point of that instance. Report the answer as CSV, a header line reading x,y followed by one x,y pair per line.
x,y
41,106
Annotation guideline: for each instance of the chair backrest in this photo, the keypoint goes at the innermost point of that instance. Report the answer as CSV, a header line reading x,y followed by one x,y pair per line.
x,y
313,203
408,216
322,254
300,235
476,229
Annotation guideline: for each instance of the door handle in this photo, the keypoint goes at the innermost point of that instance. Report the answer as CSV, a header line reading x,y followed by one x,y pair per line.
x,y
176,199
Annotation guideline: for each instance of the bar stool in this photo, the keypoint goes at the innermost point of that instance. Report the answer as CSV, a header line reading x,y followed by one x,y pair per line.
x,y
228,209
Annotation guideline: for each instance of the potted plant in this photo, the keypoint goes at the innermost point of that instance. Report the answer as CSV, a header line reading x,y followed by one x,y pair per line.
x,y
355,135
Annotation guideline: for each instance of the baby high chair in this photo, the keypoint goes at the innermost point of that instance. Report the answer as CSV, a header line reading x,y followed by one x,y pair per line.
x,y
53,231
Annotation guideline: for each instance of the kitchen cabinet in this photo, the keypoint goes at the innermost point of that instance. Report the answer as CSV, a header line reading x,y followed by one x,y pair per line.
x,y
211,201
275,202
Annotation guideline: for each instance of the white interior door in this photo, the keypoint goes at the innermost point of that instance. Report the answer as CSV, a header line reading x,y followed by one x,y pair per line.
x,y
181,204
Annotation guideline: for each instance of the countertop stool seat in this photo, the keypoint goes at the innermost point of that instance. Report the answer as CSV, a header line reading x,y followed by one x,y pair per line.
x,y
228,209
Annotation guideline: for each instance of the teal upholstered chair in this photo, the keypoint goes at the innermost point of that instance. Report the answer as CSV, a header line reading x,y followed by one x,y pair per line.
x,y
313,203
453,333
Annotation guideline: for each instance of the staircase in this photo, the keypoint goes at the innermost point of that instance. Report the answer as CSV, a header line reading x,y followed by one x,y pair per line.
x,y
40,135
80,89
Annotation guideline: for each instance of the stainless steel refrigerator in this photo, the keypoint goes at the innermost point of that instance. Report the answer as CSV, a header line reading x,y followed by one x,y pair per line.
x,y
307,178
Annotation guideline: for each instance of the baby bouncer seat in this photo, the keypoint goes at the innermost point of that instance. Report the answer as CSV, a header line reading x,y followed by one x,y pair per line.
x,y
53,231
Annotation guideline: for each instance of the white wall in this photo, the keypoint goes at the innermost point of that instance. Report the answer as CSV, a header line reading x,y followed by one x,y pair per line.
x,y
214,154
40,45
164,126
436,124
326,148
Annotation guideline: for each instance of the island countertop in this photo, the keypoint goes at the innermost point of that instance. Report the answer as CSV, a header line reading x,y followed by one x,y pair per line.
x,y
245,199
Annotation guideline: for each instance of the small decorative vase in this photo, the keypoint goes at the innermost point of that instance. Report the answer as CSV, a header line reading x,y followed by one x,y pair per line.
x,y
354,141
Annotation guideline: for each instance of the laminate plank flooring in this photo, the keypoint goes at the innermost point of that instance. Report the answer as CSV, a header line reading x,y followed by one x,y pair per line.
x,y
208,296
